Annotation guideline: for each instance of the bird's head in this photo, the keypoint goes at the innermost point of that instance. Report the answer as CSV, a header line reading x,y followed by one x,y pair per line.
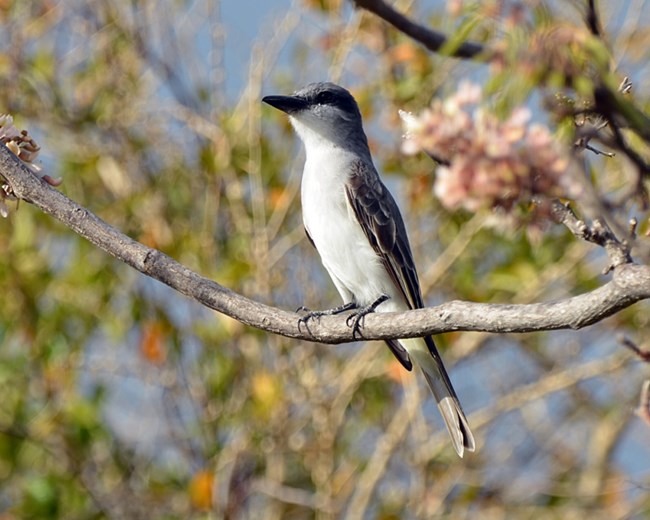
x,y
322,113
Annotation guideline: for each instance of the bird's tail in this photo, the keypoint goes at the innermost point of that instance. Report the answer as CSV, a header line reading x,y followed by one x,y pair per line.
x,y
424,351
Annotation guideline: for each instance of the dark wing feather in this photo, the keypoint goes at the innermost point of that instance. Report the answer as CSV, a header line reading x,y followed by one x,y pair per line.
x,y
382,223
400,353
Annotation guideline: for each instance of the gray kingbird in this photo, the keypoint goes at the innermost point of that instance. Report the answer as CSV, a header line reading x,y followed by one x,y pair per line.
x,y
355,225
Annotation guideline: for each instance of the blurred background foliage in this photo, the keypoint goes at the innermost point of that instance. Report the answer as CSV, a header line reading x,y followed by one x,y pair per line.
x,y
121,399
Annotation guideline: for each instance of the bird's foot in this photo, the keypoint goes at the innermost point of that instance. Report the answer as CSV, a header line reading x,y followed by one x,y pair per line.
x,y
356,319
309,314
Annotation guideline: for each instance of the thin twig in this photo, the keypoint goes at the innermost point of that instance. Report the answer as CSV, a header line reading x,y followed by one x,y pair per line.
x,y
376,466
643,410
620,111
599,152
597,122
641,353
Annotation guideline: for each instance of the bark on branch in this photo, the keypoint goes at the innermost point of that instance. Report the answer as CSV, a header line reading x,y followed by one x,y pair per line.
x,y
432,40
630,283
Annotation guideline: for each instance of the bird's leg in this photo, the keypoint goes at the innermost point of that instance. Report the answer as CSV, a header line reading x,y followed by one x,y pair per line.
x,y
328,312
355,320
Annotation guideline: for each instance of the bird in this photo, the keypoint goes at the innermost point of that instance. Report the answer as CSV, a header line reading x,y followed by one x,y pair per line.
x,y
354,223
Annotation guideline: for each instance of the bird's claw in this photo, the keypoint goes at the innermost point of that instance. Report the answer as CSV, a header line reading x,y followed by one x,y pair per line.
x,y
310,315
318,314
303,320
356,319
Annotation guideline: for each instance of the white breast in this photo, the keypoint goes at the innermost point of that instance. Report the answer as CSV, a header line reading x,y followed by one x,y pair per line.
x,y
353,265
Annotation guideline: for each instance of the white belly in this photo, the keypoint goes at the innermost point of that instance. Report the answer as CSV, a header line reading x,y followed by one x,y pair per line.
x,y
353,265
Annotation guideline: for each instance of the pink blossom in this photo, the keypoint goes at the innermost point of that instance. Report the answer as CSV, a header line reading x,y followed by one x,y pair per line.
x,y
492,162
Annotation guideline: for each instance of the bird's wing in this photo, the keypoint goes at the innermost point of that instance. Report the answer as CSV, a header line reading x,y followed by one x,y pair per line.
x,y
395,347
400,353
381,221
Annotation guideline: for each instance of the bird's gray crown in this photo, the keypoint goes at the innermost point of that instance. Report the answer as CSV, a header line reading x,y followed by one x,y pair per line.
x,y
326,93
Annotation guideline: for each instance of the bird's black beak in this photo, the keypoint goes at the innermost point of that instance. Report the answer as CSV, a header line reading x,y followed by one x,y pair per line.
x,y
288,104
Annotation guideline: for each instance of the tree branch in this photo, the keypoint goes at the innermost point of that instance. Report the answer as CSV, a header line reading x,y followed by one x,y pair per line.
x,y
599,233
432,40
593,20
630,283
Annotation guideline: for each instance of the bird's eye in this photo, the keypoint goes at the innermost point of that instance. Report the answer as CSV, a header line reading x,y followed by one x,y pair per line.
x,y
325,97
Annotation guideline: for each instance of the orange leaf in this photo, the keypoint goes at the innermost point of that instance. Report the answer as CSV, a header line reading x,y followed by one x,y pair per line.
x,y
396,371
403,52
278,197
200,490
152,344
